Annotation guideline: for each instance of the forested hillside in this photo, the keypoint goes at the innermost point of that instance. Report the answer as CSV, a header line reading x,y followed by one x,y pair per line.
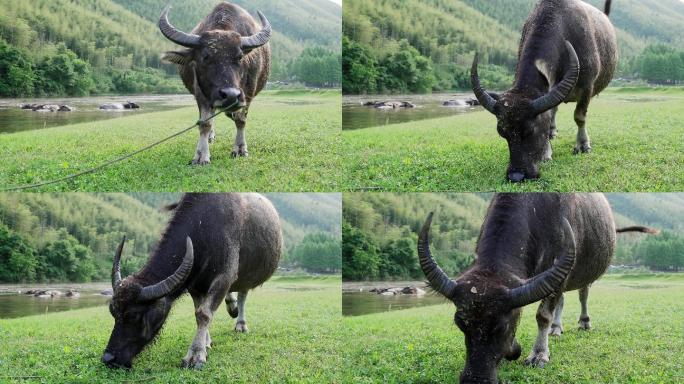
x,y
82,47
72,237
380,232
419,46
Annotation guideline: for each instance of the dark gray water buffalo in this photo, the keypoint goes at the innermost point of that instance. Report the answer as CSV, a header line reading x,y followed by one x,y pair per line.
x,y
531,247
230,242
227,64
568,53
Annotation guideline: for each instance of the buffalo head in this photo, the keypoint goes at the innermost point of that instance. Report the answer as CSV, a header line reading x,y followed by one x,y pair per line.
x,y
139,312
526,123
488,305
215,56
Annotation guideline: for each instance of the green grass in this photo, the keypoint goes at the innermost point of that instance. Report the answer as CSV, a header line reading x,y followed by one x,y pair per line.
x,y
637,137
636,338
293,139
294,333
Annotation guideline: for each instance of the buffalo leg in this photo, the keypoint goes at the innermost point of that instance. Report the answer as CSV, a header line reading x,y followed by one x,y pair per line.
x,y
540,352
202,155
583,143
557,325
231,304
240,147
554,130
197,301
584,316
204,312
241,324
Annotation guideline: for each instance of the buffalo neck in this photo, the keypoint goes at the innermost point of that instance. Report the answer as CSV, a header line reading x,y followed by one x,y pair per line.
x,y
509,239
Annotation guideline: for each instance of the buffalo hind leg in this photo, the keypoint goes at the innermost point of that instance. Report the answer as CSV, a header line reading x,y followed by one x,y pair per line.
x,y
557,325
539,355
205,307
231,304
240,147
584,322
202,155
583,144
241,324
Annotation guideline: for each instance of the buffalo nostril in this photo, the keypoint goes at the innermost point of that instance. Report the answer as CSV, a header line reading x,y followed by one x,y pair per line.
x,y
516,177
107,358
229,93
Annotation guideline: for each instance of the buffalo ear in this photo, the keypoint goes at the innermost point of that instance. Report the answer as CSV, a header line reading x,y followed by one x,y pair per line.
x,y
546,70
177,57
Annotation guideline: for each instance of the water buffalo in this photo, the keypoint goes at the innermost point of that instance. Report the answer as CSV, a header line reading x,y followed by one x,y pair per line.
x,y
230,242
568,53
531,247
227,64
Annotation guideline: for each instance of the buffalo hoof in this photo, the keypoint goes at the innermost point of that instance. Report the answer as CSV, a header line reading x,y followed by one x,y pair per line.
x,y
556,330
584,324
241,327
240,152
200,162
584,148
516,177
537,359
195,361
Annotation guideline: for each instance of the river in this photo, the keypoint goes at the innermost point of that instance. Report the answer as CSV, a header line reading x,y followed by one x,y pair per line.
x,y
357,300
355,115
15,119
14,302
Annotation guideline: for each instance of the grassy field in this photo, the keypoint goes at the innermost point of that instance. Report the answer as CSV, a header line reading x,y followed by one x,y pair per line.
x,y
294,331
637,337
637,137
293,139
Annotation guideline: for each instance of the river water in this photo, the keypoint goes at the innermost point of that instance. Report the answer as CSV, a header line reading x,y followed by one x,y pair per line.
x,y
355,115
15,119
357,300
15,303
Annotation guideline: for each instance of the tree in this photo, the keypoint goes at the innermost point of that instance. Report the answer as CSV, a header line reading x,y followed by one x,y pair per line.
x,y
17,259
318,252
67,260
359,68
360,259
16,72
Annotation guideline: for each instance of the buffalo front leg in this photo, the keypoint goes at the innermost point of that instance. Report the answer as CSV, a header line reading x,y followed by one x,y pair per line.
x,y
240,147
557,325
205,306
241,324
202,155
583,144
584,322
539,355
554,130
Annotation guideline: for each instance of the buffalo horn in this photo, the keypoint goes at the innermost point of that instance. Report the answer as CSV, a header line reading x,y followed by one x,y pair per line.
x,y
439,281
485,99
116,268
260,38
172,282
175,35
562,90
551,280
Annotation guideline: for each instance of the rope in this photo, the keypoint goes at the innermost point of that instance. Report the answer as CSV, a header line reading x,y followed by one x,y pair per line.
x,y
118,159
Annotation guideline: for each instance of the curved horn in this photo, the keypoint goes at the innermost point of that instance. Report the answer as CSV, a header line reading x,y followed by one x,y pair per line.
x,y
175,35
550,280
485,99
260,38
116,268
174,281
562,90
438,280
